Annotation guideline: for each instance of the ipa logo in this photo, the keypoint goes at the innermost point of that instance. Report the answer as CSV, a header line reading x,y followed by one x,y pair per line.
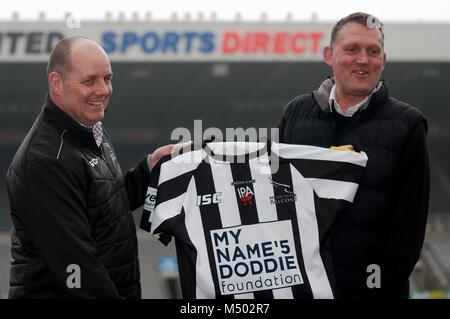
x,y
74,279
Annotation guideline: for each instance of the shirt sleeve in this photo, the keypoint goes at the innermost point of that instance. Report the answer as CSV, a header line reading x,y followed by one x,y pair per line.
x,y
150,199
333,174
166,193
136,181
409,208
54,213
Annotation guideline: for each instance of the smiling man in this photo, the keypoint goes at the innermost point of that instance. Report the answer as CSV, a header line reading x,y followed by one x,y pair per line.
x,y
377,241
357,58
82,86
73,234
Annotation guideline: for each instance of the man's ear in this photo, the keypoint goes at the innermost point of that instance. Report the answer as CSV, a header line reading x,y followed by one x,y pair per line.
x,y
384,60
328,56
55,82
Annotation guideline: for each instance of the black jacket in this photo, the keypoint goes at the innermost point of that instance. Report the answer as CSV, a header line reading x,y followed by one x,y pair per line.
x,y
70,205
385,226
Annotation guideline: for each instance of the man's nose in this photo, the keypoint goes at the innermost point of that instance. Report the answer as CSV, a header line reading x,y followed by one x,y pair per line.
x,y
102,88
362,57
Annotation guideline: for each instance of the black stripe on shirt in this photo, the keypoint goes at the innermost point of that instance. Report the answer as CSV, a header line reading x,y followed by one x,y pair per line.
x,y
285,200
329,209
186,256
245,194
173,188
340,171
244,191
210,215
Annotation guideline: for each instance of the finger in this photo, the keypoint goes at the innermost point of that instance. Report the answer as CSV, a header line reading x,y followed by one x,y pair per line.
x,y
179,146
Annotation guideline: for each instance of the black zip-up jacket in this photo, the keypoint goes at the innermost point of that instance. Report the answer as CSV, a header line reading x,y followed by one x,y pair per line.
x,y
385,226
71,210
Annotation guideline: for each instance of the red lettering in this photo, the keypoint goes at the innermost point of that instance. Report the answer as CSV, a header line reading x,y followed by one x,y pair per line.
x,y
279,45
261,42
315,38
281,42
299,36
247,42
230,42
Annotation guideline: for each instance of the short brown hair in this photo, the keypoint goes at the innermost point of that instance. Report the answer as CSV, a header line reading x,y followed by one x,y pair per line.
x,y
361,18
59,58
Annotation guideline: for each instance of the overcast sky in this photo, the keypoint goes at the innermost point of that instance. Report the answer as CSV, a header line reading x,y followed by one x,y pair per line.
x,y
386,10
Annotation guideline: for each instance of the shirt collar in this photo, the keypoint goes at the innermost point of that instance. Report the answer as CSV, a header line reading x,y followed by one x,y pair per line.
x,y
351,110
90,126
97,131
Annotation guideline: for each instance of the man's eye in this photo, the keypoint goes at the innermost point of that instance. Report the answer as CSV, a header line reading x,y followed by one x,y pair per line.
x,y
375,51
89,81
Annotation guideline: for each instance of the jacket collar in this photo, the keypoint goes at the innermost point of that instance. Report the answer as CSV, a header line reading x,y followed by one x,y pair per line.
x,y
56,116
322,95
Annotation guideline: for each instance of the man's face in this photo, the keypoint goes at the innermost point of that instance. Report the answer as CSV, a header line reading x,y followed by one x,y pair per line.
x,y
86,88
357,59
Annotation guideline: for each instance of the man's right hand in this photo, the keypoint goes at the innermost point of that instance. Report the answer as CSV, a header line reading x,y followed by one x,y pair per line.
x,y
165,150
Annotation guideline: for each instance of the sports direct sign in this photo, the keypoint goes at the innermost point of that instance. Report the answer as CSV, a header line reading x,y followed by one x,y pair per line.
x,y
175,41
213,41
225,44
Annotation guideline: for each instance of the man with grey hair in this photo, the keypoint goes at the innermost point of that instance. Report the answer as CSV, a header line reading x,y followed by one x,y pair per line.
x,y
376,242
73,234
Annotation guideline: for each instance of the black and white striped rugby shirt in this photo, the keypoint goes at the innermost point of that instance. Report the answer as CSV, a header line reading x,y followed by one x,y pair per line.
x,y
246,229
